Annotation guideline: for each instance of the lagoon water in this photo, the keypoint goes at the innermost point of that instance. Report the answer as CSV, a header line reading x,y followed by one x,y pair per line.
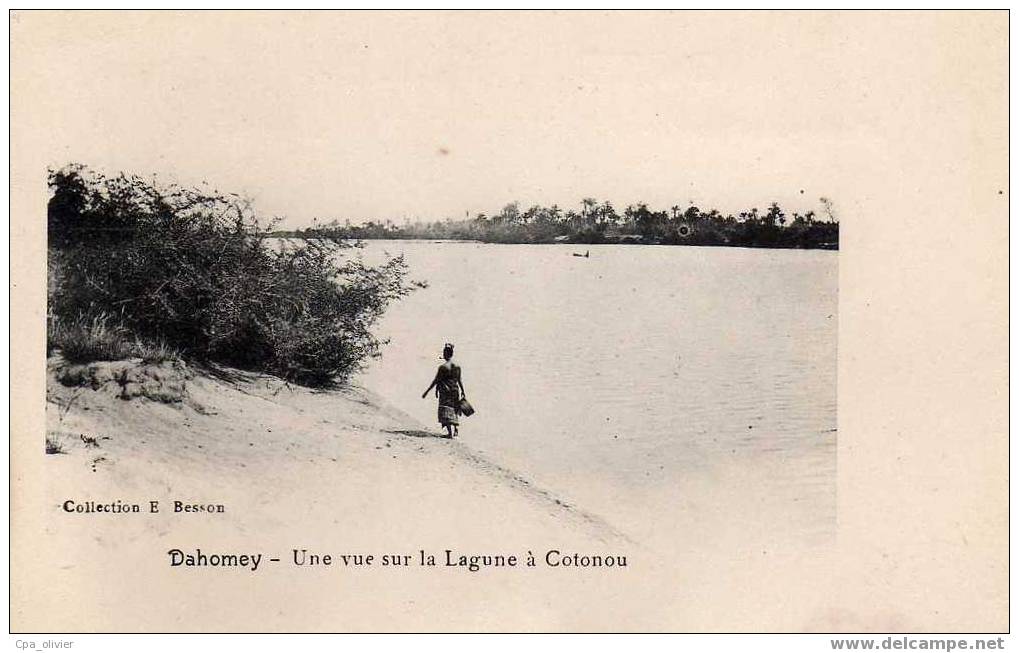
x,y
673,391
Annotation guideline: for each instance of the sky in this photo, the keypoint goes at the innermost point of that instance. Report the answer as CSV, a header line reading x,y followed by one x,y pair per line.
x,y
429,115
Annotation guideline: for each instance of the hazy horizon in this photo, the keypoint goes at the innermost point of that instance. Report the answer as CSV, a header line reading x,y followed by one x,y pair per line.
x,y
428,115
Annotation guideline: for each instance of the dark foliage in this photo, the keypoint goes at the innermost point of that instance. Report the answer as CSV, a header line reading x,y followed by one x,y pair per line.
x,y
192,271
600,223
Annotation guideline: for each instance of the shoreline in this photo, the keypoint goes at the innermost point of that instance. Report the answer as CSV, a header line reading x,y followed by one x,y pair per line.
x,y
342,473
127,431
285,235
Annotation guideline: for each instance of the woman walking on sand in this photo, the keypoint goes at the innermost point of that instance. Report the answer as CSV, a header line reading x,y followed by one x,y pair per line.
x,y
449,388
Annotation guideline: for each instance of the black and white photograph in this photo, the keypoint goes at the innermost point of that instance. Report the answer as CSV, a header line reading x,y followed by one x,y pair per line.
x,y
506,321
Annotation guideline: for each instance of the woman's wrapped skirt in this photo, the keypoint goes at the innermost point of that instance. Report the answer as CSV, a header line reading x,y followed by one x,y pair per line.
x,y
449,405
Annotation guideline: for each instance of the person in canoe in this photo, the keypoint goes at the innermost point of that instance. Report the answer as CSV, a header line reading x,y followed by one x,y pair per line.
x,y
449,388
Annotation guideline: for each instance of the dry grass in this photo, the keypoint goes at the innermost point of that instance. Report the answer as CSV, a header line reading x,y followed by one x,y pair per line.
x,y
99,337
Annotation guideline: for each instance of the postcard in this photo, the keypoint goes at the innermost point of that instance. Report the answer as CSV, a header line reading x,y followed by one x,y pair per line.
x,y
500,322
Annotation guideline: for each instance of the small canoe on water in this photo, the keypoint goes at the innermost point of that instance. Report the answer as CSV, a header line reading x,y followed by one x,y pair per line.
x,y
586,254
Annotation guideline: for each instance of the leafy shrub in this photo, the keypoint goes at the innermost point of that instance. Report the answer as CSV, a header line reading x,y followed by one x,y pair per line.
x,y
193,271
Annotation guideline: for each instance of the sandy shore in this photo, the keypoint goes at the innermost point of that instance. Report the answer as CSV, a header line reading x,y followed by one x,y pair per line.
x,y
209,437
341,473
338,449
332,472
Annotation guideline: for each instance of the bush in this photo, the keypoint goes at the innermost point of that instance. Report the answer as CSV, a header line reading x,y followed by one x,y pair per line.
x,y
192,271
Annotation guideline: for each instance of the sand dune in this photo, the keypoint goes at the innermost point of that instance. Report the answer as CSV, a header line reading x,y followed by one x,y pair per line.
x,y
216,434
327,472
303,473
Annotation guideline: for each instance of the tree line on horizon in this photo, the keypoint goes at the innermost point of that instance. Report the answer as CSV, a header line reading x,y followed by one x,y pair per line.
x,y
599,222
